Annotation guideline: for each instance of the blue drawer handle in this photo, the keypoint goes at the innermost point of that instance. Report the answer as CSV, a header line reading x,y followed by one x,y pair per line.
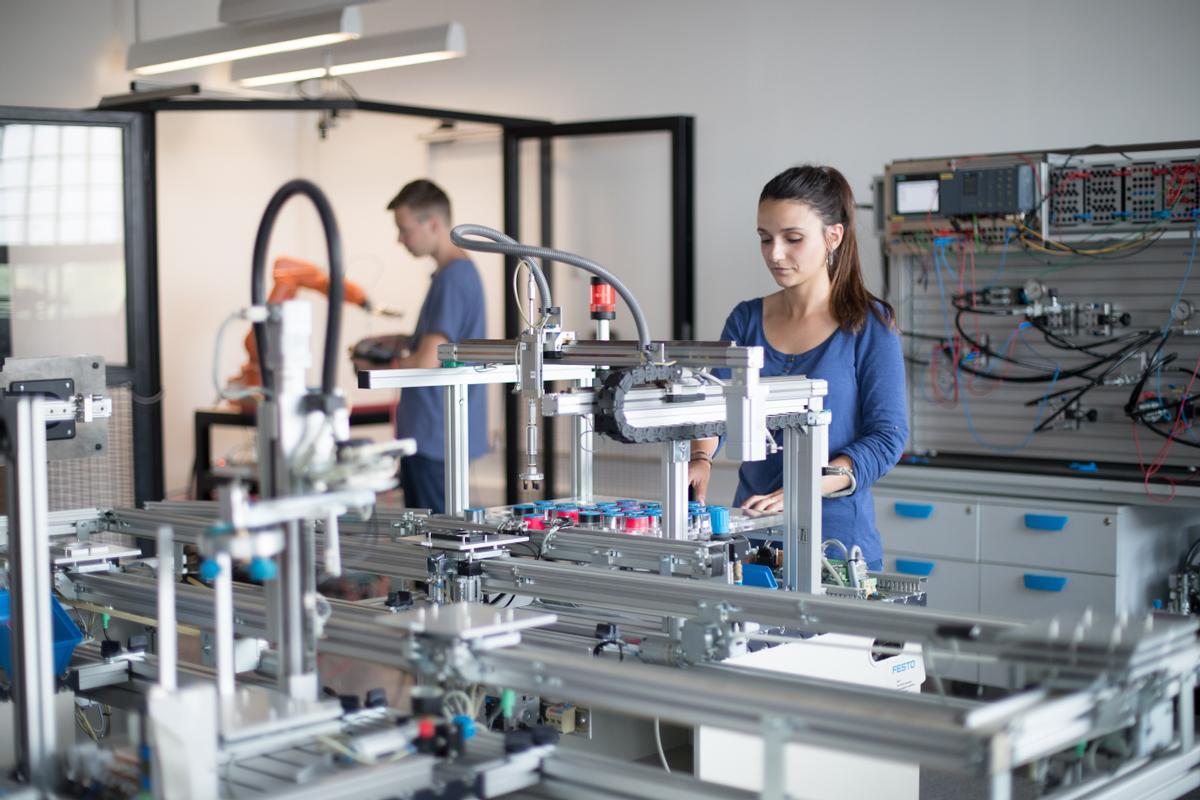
x,y
911,567
1045,522
1044,583
914,510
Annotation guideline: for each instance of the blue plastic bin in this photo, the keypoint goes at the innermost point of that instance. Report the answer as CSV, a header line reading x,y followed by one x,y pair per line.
x,y
66,636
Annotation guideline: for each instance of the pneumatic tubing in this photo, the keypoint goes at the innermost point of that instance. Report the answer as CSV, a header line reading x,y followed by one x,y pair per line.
x,y
458,236
506,245
337,288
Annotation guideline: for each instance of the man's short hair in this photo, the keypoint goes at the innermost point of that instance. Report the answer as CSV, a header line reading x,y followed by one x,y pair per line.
x,y
422,197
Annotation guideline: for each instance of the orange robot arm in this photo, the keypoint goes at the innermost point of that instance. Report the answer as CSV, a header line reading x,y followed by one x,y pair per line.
x,y
290,275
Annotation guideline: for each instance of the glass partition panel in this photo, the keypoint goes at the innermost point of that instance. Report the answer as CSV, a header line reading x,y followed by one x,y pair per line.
x,y
62,241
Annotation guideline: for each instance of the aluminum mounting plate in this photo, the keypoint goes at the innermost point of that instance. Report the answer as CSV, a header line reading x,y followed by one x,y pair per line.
x,y
87,374
465,621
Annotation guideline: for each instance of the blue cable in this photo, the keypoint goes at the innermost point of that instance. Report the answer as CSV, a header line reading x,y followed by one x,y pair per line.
x,y
986,373
939,255
939,245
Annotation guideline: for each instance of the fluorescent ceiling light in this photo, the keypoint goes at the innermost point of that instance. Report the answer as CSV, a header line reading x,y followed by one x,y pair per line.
x,y
235,11
418,46
233,42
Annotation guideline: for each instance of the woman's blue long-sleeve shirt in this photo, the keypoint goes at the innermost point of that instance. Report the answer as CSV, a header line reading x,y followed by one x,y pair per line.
x,y
865,373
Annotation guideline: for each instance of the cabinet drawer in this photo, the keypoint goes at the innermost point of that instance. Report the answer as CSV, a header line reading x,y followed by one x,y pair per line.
x,y
1030,593
936,525
1060,536
1027,593
953,586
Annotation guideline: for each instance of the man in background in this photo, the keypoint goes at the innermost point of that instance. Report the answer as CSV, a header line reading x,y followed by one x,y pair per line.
x,y
453,311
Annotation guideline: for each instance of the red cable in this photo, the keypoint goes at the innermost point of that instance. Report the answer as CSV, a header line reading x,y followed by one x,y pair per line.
x,y
977,330
935,353
1148,473
945,402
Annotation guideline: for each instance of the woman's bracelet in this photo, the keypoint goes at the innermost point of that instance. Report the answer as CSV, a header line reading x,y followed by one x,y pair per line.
x,y
700,455
839,470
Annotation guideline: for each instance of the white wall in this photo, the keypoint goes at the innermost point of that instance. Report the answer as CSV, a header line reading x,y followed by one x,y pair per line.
x,y
855,84
770,82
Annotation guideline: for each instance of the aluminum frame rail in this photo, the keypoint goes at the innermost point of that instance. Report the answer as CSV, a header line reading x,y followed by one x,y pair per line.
x,y
466,376
645,406
358,634
612,353
574,775
1087,646
35,743
960,735
370,545
896,725
693,559
63,523
1074,649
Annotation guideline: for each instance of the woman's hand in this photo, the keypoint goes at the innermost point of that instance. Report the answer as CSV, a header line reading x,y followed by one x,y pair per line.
x,y
699,473
773,503
768,503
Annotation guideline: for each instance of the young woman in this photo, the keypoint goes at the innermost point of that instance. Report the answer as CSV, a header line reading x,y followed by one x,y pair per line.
x,y
822,323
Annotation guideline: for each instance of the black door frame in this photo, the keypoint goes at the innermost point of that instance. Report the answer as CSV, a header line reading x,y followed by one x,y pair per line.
x,y
683,253
142,368
148,106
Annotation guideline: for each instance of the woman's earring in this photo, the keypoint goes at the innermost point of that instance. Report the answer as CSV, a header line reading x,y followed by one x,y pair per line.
x,y
829,259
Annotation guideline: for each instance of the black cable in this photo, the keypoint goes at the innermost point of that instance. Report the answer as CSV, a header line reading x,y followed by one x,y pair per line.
x,y
963,302
988,351
925,336
600,647
1122,356
1139,417
1188,401
337,291
1152,365
533,550
1191,554
1054,340
1040,378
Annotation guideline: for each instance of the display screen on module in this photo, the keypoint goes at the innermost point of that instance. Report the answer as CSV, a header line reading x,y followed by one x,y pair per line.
x,y
917,197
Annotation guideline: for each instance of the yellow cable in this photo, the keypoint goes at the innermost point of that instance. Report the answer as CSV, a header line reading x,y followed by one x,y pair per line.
x,y
186,630
1066,249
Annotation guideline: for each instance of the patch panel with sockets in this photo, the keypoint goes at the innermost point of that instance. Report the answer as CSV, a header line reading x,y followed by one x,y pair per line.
x,y
1126,195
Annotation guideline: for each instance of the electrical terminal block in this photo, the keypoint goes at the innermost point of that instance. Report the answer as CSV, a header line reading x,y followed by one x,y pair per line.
x,y
561,717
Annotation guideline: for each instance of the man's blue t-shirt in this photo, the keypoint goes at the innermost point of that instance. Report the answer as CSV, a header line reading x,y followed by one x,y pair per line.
x,y
454,308
867,395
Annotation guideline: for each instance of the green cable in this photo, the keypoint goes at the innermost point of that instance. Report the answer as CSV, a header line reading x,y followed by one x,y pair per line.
x,y
508,702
